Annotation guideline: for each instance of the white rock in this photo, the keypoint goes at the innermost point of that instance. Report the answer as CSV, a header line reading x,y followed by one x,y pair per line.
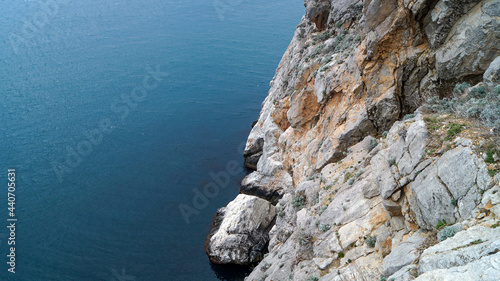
x,y
241,230
404,274
350,233
403,255
492,75
464,247
322,263
484,269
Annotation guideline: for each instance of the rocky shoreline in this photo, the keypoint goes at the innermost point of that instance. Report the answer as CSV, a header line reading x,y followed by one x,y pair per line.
x,y
353,179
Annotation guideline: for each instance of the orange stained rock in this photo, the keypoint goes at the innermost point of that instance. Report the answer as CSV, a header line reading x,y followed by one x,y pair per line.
x,y
488,205
379,217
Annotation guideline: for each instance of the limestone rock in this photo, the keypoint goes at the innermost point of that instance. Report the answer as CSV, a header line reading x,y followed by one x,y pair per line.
x,y
344,10
453,177
270,188
429,199
393,208
384,179
253,153
492,75
353,131
470,46
271,159
405,273
370,189
252,160
347,206
415,141
458,172
487,269
304,107
350,233
406,146
353,69
442,18
403,255
240,231
464,247
322,263
317,12
491,200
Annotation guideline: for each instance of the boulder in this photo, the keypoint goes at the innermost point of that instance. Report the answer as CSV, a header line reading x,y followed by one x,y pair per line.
x,y
241,231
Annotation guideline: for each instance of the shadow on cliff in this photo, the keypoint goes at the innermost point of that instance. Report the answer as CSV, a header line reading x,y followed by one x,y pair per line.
x,y
231,272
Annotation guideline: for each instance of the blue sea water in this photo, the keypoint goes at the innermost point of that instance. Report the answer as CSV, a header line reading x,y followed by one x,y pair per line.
x,y
102,167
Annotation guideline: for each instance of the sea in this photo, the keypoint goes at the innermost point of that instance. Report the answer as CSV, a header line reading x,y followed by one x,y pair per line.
x,y
123,125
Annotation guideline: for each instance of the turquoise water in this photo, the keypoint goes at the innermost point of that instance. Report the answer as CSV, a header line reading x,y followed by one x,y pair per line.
x,y
103,167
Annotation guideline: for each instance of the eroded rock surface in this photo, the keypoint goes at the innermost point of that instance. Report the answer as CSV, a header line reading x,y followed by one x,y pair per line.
x,y
343,153
464,247
240,231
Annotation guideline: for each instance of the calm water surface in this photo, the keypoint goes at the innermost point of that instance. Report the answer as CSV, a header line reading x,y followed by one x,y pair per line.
x,y
108,209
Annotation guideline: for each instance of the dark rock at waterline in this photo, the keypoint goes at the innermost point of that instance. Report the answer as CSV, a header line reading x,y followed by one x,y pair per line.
x,y
253,153
269,188
252,160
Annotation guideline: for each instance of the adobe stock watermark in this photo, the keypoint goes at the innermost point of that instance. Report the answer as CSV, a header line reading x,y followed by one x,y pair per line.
x,y
121,275
223,7
33,25
220,181
122,108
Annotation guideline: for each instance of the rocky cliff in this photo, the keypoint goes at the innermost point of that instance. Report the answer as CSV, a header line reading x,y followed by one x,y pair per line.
x,y
355,183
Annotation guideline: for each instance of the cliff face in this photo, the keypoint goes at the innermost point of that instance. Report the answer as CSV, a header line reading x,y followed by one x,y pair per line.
x,y
351,205
372,63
